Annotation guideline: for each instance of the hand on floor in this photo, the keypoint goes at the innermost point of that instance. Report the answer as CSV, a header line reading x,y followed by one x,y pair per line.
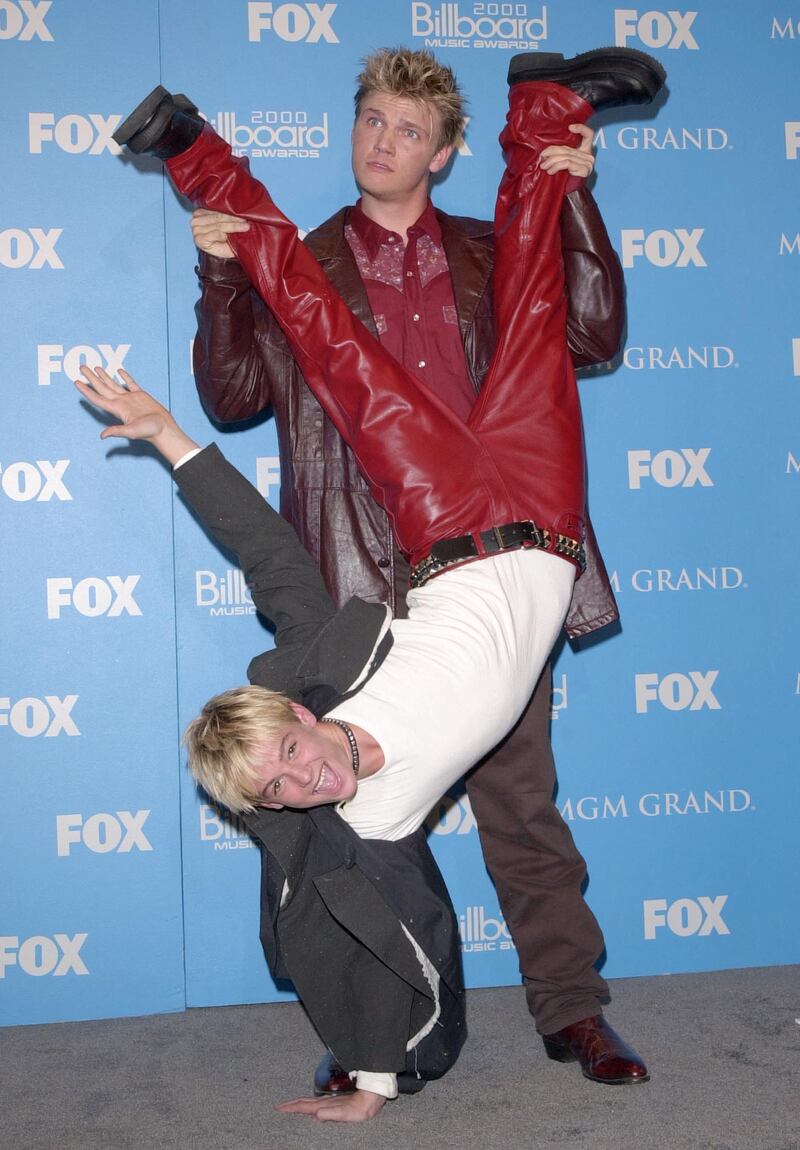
x,y
359,1106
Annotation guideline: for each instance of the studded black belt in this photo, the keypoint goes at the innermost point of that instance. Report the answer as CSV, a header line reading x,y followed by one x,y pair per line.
x,y
506,537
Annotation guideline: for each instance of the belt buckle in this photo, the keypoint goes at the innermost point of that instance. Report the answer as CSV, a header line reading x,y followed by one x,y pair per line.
x,y
497,531
534,535
509,536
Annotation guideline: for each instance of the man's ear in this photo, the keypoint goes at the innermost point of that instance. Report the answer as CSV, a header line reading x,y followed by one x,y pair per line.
x,y
441,158
304,716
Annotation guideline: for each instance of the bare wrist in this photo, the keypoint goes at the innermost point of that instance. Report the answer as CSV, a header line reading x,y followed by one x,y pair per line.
x,y
173,444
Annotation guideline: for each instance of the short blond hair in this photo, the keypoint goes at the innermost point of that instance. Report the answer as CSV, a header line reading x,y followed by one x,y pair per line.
x,y
226,738
417,76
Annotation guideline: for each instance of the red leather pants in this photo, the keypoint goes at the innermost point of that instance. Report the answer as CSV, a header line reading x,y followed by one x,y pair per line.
x,y
520,454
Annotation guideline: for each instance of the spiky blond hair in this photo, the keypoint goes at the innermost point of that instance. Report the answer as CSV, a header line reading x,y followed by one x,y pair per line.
x,y
418,76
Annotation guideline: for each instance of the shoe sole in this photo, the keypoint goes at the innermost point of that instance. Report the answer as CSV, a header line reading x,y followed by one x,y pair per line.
x,y
140,116
632,1081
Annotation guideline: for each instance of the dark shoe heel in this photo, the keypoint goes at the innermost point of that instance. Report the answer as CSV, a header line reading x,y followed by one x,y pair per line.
x,y
141,115
557,1050
523,62
162,125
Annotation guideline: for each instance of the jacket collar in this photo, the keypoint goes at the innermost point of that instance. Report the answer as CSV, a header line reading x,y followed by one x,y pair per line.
x,y
466,252
341,656
464,240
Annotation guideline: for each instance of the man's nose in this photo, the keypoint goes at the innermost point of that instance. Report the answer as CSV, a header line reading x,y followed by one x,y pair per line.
x,y
302,773
384,141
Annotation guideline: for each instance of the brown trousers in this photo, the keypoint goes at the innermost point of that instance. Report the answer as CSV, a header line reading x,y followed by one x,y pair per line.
x,y
534,864
537,870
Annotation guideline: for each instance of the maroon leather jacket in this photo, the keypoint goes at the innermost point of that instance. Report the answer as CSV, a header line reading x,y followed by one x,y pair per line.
x,y
243,366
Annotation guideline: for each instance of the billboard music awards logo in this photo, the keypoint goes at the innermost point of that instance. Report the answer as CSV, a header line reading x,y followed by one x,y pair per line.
x,y
686,916
30,248
559,700
52,359
41,954
485,25
224,830
654,804
789,245
225,594
481,933
654,29
31,717
274,134
24,20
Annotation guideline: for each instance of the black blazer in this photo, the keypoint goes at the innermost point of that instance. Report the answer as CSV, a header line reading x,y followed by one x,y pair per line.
x,y
338,935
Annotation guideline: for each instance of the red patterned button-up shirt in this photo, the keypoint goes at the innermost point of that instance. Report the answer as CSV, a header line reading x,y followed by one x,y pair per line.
x,y
411,297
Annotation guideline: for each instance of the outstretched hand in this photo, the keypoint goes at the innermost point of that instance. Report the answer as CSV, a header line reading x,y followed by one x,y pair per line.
x,y
139,415
578,160
359,1106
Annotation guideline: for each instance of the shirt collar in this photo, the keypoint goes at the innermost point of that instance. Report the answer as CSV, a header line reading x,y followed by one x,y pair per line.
x,y
373,236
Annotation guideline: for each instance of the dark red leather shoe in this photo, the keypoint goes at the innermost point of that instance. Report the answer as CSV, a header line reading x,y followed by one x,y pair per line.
x,y
331,1079
603,1055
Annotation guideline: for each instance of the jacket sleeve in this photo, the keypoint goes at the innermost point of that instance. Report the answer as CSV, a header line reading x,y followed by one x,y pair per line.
x,y
594,279
234,379
283,578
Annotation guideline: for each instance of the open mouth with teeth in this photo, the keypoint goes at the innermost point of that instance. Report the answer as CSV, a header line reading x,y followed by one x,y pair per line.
x,y
328,782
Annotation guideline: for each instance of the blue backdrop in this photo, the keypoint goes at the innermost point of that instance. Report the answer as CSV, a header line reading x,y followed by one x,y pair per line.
x,y
675,737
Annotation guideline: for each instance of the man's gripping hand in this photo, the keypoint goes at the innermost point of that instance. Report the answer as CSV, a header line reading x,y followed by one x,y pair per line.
x,y
211,231
359,1106
578,160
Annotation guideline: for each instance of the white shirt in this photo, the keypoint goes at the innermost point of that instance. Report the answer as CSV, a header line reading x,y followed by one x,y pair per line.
x,y
458,676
